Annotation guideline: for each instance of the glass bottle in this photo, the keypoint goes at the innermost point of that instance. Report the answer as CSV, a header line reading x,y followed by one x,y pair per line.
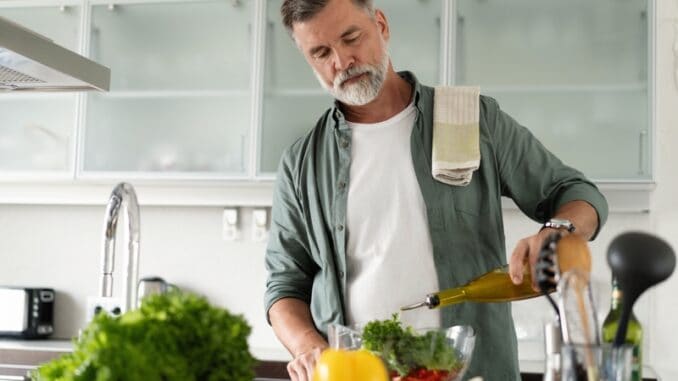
x,y
634,334
493,286
568,252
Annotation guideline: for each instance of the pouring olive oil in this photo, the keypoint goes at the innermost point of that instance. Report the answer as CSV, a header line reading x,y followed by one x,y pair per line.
x,y
496,285
493,286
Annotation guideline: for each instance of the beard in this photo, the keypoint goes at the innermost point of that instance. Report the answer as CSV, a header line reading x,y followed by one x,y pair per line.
x,y
362,91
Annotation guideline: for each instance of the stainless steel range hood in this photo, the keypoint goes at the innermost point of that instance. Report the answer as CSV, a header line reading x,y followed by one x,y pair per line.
x,y
31,62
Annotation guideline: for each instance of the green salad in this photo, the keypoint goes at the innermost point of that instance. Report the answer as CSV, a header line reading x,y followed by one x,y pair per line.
x,y
405,351
176,336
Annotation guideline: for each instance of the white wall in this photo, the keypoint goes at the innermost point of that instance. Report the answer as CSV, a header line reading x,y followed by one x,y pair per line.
x,y
663,352
59,246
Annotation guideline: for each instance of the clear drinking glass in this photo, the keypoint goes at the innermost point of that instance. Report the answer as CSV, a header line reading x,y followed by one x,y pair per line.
x,y
342,337
596,362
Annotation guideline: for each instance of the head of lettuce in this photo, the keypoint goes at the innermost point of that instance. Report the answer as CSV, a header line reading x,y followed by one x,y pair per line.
x,y
173,336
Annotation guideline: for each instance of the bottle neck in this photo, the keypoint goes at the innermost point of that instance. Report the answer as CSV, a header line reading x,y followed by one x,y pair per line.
x,y
616,302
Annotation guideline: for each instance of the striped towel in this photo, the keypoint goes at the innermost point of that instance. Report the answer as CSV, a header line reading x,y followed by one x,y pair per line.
x,y
456,130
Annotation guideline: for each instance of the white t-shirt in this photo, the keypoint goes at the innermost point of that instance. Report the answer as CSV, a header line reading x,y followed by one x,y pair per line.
x,y
390,254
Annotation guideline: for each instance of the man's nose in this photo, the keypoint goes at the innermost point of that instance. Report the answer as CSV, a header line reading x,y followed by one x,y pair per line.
x,y
343,59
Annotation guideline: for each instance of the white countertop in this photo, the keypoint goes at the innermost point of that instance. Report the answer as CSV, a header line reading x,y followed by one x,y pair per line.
x,y
37,345
268,354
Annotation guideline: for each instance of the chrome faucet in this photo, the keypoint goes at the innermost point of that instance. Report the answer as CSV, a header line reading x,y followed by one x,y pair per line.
x,y
123,196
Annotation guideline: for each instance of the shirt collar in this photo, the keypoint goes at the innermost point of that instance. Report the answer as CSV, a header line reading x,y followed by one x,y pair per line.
x,y
340,120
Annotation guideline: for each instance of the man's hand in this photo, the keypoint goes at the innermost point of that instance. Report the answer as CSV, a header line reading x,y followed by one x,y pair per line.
x,y
582,215
526,253
292,323
301,368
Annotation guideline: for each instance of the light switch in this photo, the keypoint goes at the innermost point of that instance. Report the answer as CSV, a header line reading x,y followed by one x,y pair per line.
x,y
231,232
260,225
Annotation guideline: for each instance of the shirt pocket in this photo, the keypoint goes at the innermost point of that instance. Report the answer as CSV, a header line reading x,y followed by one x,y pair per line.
x,y
470,200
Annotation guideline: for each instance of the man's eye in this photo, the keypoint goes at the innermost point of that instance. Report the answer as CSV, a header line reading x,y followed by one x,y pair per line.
x,y
321,54
352,39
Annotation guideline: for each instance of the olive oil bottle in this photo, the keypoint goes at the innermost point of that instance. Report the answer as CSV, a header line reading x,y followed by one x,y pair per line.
x,y
571,252
634,333
493,286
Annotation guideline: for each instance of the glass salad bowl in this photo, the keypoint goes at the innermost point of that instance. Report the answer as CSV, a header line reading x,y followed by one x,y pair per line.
x,y
411,354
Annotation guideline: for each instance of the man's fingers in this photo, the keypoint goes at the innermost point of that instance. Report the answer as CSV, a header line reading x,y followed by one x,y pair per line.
x,y
308,361
292,371
535,247
301,368
309,373
302,373
516,261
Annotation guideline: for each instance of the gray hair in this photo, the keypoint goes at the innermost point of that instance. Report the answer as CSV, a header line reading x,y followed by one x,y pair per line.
x,y
293,11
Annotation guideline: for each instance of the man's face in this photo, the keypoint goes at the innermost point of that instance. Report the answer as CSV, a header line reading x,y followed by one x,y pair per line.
x,y
346,47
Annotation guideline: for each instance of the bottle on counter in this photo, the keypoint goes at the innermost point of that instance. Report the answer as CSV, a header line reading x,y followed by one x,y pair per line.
x,y
634,333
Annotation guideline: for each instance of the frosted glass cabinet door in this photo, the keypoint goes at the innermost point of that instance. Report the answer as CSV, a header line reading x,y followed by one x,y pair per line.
x,y
180,88
293,99
37,130
574,72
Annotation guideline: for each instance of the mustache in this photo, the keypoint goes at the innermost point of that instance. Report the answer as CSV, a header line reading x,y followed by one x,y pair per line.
x,y
350,73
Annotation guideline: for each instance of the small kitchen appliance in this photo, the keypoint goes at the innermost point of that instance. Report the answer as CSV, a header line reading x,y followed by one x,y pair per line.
x,y
27,313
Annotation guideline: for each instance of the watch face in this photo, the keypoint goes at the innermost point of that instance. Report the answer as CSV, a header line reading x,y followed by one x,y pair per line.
x,y
559,222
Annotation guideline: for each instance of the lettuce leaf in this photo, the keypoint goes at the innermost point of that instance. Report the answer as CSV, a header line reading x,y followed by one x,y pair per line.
x,y
173,336
404,349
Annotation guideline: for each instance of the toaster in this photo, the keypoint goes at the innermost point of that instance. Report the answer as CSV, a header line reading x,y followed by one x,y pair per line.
x,y
26,313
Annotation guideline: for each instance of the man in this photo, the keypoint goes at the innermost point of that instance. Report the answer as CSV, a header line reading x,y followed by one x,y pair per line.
x,y
359,225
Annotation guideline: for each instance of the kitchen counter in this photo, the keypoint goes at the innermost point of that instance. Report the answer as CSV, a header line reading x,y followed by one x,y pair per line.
x,y
18,356
37,345
267,354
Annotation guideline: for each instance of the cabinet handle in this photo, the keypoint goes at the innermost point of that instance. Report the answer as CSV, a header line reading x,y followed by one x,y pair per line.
x,y
243,141
459,54
641,151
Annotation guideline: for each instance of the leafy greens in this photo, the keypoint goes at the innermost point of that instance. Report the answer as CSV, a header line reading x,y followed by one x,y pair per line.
x,y
176,336
405,350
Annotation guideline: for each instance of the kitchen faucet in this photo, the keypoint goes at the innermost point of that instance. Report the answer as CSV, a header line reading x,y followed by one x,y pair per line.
x,y
123,196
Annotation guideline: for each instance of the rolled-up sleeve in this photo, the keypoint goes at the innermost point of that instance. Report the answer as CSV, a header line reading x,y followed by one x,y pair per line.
x,y
288,260
531,175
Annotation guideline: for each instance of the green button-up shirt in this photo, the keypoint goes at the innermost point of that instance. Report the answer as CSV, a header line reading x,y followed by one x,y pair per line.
x,y
306,254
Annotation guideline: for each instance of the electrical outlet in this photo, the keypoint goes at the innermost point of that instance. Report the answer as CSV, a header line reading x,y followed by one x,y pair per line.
x,y
109,305
231,231
259,225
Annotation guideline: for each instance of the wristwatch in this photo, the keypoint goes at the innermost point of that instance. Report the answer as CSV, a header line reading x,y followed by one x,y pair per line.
x,y
557,223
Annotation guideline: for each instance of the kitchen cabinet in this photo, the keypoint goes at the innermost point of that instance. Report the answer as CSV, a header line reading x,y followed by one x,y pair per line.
x,y
211,92
37,131
180,94
577,74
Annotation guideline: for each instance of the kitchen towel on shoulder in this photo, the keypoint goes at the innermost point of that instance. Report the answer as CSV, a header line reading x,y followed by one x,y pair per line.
x,y
456,134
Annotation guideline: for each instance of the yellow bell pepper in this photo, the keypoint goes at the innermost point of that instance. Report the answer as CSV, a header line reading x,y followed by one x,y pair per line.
x,y
342,365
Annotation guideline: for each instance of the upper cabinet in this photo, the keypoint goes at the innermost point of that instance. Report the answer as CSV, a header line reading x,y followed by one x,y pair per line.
x,y
575,73
180,99
37,131
217,89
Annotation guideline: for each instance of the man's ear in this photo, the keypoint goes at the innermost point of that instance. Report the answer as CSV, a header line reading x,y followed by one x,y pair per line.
x,y
382,23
